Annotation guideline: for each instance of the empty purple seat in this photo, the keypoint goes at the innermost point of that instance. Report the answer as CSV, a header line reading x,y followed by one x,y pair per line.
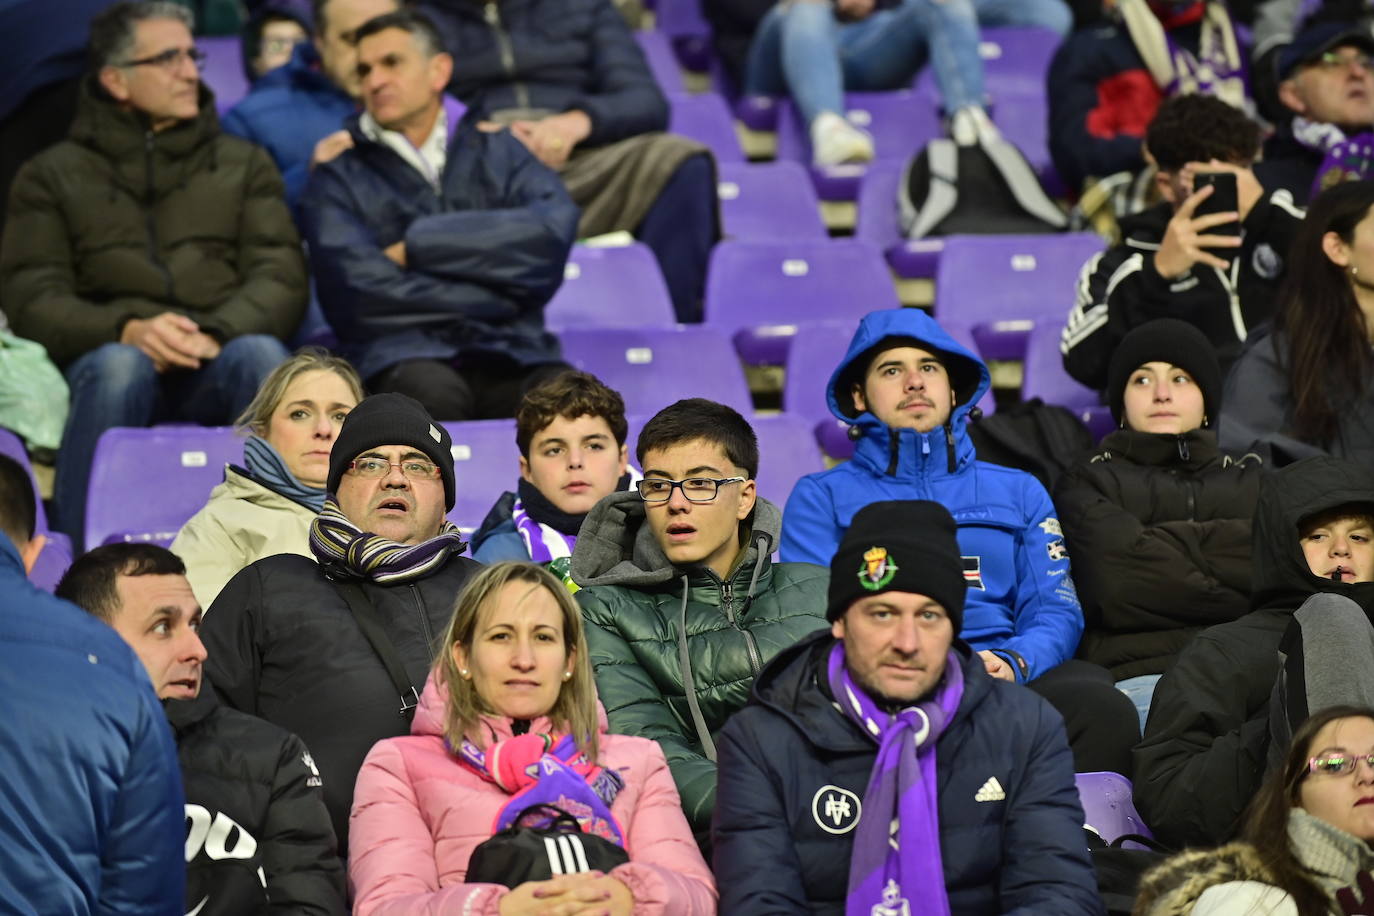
x,y
1043,377
146,483
901,123
658,52
768,201
619,287
878,222
12,446
760,291
758,112
1015,61
1003,284
486,463
1108,810
652,368
1024,122
688,30
705,118
223,70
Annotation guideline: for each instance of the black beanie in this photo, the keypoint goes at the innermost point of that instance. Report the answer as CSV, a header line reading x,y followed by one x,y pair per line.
x,y
899,546
1167,340
391,419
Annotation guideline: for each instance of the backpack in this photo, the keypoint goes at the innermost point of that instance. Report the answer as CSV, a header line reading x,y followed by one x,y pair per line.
x,y
988,188
1043,439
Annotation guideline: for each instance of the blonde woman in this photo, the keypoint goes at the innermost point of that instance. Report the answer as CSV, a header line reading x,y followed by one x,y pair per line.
x,y
508,719
265,507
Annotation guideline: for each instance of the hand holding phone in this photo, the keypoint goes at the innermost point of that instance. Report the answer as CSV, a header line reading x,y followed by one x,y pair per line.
x,y
1197,237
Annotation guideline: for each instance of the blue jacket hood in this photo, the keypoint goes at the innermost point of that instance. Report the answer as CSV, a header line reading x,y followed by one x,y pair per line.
x,y
968,374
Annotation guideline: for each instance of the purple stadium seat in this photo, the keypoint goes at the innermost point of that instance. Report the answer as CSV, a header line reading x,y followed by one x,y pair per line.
x,y
768,201
610,288
52,562
1107,807
658,51
760,291
146,483
690,33
1043,377
486,463
223,70
12,446
1015,61
652,368
1024,122
901,123
877,222
706,119
758,112
1003,284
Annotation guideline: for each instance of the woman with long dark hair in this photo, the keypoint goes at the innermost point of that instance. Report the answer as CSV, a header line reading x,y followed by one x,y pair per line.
x,y
1306,836
1307,388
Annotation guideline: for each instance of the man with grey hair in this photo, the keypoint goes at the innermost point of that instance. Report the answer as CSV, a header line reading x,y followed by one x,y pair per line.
x,y
436,244
151,254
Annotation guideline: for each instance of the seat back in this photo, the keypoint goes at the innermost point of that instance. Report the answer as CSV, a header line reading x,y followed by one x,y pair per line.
x,y
658,53
12,446
705,118
146,483
619,287
1108,809
1016,61
486,463
223,70
766,202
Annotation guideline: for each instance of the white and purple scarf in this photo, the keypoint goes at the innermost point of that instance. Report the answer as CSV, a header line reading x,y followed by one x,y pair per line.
x,y
1344,158
543,543
896,855
343,547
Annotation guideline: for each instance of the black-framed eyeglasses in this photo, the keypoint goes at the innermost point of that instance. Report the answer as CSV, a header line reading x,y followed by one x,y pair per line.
x,y
1338,764
413,468
1333,60
696,489
169,59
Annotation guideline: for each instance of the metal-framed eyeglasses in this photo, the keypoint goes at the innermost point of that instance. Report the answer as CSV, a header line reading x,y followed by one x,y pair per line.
x,y
1338,764
169,59
1334,60
413,468
695,489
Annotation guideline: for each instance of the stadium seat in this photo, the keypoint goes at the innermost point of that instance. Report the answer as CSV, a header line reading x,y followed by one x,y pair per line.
x,y
771,201
901,123
688,30
658,51
1016,62
761,291
223,70
878,223
56,555
1003,284
485,465
146,483
12,446
1043,377
705,118
652,368
620,287
1107,807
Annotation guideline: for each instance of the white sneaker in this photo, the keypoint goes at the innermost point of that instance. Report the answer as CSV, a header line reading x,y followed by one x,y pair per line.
x,y
834,141
971,125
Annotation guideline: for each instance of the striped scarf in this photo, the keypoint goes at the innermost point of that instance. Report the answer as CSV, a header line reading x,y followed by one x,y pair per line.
x,y
343,547
266,466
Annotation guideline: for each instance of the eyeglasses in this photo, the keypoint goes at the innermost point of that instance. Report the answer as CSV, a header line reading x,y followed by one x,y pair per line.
x,y
275,45
1333,61
376,467
170,59
696,489
1338,764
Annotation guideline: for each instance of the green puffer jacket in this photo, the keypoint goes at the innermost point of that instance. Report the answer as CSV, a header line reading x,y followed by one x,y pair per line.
x,y
118,222
637,608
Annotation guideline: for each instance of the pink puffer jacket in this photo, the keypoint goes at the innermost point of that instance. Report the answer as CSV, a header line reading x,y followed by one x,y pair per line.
x,y
418,813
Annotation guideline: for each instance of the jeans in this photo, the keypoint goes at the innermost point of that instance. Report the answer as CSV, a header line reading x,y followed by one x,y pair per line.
x,y
1141,690
802,49
116,385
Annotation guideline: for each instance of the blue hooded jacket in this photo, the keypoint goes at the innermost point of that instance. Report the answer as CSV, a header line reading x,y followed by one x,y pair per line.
x,y
1021,599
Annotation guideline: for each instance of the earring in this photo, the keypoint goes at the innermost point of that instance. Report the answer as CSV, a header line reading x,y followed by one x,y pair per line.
x,y
567,675
1204,419
463,672
1354,271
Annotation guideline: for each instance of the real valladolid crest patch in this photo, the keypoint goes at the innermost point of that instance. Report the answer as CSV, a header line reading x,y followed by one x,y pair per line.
x,y
877,570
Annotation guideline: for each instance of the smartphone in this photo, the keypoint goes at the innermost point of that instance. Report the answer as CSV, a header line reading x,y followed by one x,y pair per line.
x,y
1222,200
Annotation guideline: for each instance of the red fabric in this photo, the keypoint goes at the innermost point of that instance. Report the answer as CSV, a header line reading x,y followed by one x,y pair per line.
x,y
1126,104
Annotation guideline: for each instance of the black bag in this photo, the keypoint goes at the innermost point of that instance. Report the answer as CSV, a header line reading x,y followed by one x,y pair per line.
x,y
519,854
1033,436
990,188
1119,869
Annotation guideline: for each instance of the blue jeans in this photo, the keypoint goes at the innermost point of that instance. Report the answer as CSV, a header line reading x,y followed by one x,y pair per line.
x,y
802,49
116,385
1141,690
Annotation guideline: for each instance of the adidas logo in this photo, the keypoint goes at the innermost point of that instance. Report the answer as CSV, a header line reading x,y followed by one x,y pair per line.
x,y
991,791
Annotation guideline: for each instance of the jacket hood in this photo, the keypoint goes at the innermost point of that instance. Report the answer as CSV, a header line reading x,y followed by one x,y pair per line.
x,y
1282,579
880,447
297,11
430,715
615,547
792,684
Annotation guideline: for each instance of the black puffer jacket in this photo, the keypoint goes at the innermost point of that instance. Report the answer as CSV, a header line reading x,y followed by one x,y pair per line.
x,y
284,645
1207,738
258,838
1159,529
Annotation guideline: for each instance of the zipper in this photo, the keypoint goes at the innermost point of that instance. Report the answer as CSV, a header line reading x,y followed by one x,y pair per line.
x,y
727,596
492,14
1231,285
424,618
150,218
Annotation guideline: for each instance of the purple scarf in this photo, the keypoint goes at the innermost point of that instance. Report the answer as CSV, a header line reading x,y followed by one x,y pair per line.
x,y
542,542
1343,158
901,873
